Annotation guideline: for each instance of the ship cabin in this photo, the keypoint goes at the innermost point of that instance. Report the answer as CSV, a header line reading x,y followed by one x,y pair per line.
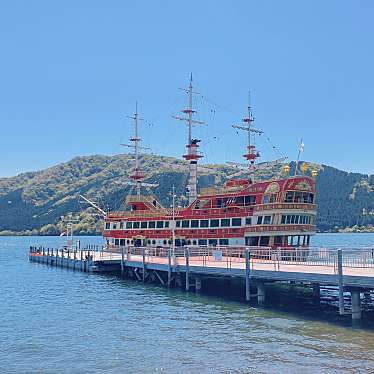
x,y
276,213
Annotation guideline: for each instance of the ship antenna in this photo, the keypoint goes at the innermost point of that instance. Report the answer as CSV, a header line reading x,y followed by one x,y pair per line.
x,y
252,154
192,144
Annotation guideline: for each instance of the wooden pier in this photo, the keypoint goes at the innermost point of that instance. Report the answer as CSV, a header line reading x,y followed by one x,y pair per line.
x,y
350,270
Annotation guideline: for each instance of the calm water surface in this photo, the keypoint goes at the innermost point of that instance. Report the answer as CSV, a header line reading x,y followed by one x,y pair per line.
x,y
60,321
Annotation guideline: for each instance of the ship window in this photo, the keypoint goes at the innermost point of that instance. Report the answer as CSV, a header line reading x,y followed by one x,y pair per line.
x,y
219,203
194,242
178,223
249,200
165,242
195,223
166,223
225,222
122,242
114,225
236,222
213,242
273,198
289,197
202,241
214,223
185,223
278,240
121,225
153,242
159,224
204,223
107,225
248,221
143,224
266,199
136,225
297,197
151,224
293,218
267,220
252,241
240,200
148,242
259,220
264,240
129,225
224,242
128,241
116,241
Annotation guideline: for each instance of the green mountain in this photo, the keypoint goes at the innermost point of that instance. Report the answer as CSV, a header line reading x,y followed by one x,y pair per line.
x,y
33,203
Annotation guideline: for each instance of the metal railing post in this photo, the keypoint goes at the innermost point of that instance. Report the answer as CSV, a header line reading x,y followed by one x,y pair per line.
x,y
340,281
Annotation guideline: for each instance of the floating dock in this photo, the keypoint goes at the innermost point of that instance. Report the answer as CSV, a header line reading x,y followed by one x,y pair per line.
x,y
349,270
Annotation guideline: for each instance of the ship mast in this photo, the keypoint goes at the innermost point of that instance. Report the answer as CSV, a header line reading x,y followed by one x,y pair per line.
x,y
137,175
192,146
252,154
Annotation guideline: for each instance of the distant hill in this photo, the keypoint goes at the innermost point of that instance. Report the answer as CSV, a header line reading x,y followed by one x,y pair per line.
x,y
33,203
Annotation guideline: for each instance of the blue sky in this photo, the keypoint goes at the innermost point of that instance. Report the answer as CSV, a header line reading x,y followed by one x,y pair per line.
x,y
70,72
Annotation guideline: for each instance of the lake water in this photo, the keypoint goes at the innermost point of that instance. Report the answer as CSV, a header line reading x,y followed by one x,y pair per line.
x,y
58,321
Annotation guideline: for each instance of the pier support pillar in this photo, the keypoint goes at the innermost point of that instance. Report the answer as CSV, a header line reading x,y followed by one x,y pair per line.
x,y
198,284
316,290
261,293
122,262
247,275
187,257
356,305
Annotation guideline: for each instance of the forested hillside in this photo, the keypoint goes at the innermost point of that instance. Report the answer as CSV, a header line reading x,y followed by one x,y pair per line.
x,y
33,203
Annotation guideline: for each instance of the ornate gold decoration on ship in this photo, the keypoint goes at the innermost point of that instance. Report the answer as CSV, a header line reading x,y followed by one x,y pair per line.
x,y
304,167
286,169
272,188
314,173
303,186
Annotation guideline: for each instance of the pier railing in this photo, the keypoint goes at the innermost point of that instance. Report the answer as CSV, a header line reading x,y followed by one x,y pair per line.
x,y
222,257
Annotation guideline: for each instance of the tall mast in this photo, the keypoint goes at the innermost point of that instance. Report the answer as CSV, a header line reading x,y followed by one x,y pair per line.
x,y
137,175
192,146
252,154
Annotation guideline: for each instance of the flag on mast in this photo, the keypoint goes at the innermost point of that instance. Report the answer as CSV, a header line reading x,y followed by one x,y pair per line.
x,y
301,147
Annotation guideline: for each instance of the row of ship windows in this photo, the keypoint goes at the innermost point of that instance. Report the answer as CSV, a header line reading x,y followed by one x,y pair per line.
x,y
303,219
299,197
178,242
195,223
211,223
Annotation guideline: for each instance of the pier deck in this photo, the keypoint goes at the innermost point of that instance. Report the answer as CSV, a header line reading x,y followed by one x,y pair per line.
x,y
350,270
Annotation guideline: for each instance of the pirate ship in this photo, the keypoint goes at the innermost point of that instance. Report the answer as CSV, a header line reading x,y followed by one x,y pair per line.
x,y
245,212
